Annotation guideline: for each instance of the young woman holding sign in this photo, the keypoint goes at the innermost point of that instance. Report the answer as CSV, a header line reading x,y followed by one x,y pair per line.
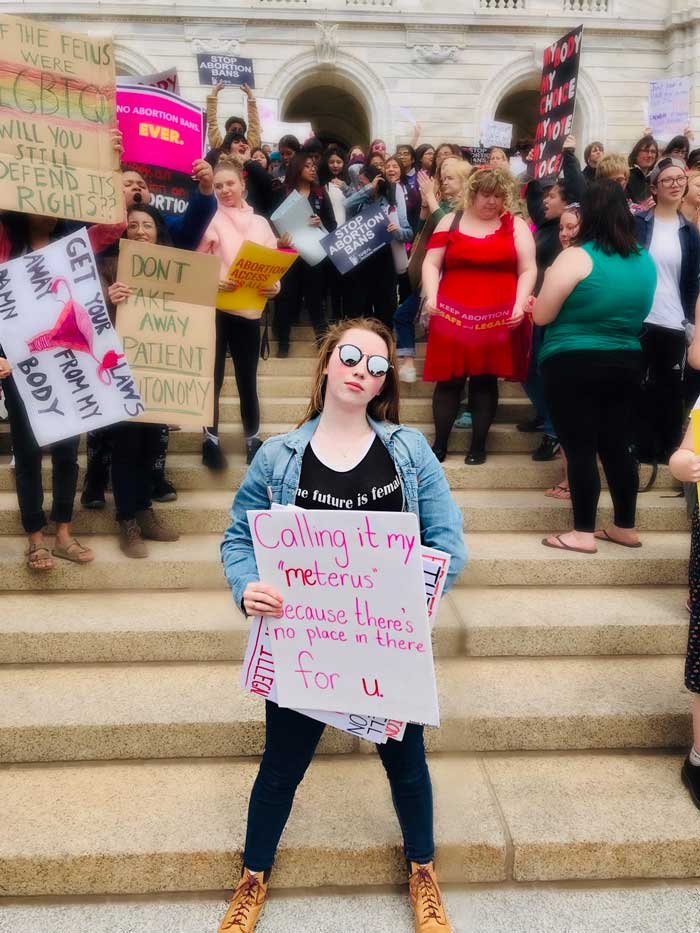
x,y
349,441
237,332
135,445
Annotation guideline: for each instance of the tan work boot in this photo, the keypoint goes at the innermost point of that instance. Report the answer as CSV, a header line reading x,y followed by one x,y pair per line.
x,y
247,902
131,540
427,900
153,529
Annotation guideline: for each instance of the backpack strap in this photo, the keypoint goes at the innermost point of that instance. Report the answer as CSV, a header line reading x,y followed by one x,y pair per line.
x,y
456,221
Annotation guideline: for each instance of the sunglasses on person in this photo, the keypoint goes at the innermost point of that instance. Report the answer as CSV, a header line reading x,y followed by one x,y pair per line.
x,y
350,356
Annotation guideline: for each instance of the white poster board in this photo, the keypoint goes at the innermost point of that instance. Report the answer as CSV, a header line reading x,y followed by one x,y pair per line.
x,y
68,362
494,133
274,130
355,632
166,80
669,106
292,217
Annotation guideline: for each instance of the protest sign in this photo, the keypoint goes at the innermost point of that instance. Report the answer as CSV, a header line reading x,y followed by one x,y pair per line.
x,y
557,104
354,631
475,325
227,69
494,133
669,106
254,267
69,366
479,155
292,217
166,80
357,239
56,111
159,128
273,131
170,191
258,671
169,332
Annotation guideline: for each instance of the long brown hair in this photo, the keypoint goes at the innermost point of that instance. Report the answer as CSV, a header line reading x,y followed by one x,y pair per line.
x,y
383,407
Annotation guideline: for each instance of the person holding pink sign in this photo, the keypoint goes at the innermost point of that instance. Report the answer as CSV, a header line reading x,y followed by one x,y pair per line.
x,y
349,445
478,274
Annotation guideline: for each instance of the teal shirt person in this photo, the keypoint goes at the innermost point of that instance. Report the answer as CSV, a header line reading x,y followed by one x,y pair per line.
x,y
606,310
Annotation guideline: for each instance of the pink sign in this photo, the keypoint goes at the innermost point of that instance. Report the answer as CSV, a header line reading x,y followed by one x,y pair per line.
x,y
159,128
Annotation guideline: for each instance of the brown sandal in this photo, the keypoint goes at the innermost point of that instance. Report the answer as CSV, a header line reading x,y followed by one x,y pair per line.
x,y
560,491
74,551
36,553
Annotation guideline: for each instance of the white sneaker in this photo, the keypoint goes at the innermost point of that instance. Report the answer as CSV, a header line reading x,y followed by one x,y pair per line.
x,y
407,372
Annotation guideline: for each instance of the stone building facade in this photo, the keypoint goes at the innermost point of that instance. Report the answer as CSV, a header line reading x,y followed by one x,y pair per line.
x,y
363,68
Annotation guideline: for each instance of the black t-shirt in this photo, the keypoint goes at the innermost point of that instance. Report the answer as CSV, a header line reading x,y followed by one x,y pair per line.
x,y
373,484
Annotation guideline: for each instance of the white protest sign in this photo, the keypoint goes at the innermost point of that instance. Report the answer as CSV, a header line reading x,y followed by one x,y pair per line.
x,y
69,365
274,130
494,133
669,106
258,672
269,113
354,633
166,80
292,217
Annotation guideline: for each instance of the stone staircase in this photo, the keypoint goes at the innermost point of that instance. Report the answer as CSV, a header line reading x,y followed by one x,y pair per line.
x,y
128,750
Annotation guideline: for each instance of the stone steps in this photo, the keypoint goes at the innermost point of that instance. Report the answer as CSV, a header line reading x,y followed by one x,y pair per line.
x,y
496,559
502,471
273,383
204,625
104,711
204,512
146,827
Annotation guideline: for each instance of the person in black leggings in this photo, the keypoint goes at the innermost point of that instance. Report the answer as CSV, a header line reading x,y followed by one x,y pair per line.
x,y
594,300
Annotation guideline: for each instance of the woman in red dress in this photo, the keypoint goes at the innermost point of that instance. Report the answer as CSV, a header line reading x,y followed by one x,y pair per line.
x,y
478,274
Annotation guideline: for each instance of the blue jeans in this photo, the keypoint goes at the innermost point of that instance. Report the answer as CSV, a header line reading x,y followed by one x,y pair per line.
x,y
534,385
405,325
290,742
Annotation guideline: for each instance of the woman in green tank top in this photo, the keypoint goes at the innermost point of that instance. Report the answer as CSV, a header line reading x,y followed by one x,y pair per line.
x,y
594,301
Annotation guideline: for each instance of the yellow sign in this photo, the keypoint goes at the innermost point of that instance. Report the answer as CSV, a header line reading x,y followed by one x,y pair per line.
x,y
57,106
254,267
168,328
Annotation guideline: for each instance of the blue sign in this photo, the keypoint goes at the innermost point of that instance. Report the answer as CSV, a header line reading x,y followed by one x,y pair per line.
x,y
358,238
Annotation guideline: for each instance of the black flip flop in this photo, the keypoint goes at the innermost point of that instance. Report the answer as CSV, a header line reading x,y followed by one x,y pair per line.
x,y
563,546
602,535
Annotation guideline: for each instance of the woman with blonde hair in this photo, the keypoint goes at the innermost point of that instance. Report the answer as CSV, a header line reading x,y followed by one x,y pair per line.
x,y
478,275
349,442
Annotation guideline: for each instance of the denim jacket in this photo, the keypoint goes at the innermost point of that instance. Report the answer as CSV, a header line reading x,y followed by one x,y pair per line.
x,y
274,474
358,200
690,257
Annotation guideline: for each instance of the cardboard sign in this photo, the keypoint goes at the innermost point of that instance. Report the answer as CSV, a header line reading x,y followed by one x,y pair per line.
x,y
292,217
228,69
166,80
669,106
169,330
254,267
56,110
494,133
355,632
358,238
159,128
69,366
557,104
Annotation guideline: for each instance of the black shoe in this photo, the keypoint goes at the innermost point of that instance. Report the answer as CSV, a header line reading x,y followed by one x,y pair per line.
x,y
213,457
93,498
533,426
163,491
439,452
690,775
475,458
282,351
252,446
548,449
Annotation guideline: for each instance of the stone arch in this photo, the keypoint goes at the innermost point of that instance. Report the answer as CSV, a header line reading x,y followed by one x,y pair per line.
x,y
130,62
347,74
525,71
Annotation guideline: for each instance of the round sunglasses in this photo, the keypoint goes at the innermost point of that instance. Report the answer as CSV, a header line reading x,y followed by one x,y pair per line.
x,y
350,355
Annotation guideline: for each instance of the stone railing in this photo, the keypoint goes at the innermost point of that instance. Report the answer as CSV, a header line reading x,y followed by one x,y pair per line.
x,y
586,6
501,4
539,6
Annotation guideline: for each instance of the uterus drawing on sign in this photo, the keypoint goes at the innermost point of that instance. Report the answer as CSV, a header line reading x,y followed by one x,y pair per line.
x,y
73,330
